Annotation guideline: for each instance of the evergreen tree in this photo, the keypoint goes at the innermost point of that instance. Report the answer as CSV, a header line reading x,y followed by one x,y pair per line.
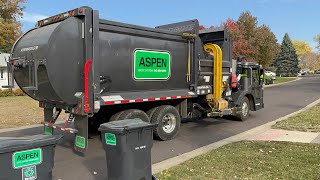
x,y
287,62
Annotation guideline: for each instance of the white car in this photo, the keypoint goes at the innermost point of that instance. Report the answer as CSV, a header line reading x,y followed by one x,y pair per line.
x,y
269,73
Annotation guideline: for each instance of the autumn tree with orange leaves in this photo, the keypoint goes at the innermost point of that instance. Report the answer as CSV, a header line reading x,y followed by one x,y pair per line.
x,y
257,43
10,27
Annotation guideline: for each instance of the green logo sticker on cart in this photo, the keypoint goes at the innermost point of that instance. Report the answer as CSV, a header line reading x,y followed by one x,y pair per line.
x,y
80,142
27,158
29,173
111,139
151,65
48,130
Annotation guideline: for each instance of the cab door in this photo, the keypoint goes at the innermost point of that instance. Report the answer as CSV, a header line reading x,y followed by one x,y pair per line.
x,y
256,87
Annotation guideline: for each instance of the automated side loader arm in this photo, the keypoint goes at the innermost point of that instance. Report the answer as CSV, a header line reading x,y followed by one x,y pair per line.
x,y
215,100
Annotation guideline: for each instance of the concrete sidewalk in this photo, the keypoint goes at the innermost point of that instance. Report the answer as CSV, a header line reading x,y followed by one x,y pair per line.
x,y
290,136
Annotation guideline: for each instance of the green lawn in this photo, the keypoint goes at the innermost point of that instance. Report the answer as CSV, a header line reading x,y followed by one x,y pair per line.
x,y
251,160
283,79
18,111
308,121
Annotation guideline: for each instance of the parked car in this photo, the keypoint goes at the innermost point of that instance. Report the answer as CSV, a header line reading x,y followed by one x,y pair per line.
x,y
270,74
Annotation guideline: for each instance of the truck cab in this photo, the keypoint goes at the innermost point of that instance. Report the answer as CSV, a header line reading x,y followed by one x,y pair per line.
x,y
249,91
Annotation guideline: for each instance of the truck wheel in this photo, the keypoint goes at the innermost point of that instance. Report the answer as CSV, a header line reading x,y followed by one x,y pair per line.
x,y
116,116
132,114
151,111
245,109
168,120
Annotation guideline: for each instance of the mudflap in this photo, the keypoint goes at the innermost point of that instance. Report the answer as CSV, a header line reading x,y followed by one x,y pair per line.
x,y
48,114
81,138
49,117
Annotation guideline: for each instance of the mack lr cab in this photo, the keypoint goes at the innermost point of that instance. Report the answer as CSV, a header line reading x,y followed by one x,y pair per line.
x,y
99,70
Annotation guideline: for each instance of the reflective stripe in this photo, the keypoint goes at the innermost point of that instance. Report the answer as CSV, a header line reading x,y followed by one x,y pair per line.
x,y
145,100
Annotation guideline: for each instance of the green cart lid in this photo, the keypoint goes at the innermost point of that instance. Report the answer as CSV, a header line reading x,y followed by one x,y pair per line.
x,y
124,126
12,144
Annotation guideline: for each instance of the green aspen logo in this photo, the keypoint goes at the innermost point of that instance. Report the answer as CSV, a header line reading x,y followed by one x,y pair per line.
x,y
111,139
151,65
81,142
26,158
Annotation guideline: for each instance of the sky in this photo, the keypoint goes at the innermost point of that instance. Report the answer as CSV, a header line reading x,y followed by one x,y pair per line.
x,y
296,17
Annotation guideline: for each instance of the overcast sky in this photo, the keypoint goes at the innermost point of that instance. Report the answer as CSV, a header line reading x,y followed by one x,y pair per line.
x,y
299,18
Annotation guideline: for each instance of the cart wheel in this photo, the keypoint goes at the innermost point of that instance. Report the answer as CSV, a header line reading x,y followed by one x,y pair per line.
x,y
245,109
131,114
168,120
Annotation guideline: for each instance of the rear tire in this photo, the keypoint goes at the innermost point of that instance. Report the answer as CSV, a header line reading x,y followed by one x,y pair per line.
x,y
130,114
151,111
116,116
245,109
168,120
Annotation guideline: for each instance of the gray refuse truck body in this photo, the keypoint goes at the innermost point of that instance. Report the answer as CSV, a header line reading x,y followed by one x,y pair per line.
x,y
98,70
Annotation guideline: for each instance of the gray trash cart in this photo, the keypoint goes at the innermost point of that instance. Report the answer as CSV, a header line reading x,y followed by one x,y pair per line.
x,y
27,158
128,146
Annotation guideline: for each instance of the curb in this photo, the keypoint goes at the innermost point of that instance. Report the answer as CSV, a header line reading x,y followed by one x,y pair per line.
x,y
272,85
168,163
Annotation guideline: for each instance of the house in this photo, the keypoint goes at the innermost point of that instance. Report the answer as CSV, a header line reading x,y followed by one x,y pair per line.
x,y
4,57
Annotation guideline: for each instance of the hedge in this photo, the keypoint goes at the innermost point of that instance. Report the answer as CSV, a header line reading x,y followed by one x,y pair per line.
x,y
9,92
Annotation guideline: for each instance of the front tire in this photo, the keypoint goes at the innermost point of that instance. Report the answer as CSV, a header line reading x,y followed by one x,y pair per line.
x,y
245,109
168,119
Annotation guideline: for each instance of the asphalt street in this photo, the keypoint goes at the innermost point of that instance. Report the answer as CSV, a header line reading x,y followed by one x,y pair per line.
x,y
279,101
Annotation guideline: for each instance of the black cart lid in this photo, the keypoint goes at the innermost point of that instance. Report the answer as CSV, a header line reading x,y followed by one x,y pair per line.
x,y
12,144
123,126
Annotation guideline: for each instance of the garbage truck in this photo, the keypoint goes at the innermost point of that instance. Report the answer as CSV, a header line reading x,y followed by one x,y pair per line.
x,y
99,70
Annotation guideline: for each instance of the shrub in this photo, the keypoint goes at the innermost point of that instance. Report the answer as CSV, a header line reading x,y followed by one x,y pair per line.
x,y
18,92
9,92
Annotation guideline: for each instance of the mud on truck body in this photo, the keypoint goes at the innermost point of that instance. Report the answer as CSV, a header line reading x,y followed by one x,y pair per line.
x,y
99,70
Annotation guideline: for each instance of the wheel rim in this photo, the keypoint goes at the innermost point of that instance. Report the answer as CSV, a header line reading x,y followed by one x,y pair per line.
x,y
169,122
245,109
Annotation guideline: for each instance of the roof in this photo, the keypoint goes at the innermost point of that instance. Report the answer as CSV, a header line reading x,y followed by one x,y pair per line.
x,y
248,63
210,30
4,57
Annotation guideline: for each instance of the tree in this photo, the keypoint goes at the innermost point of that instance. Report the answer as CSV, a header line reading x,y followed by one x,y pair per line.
x,y
257,43
201,27
248,25
266,45
302,48
310,61
241,47
287,62
10,27
317,39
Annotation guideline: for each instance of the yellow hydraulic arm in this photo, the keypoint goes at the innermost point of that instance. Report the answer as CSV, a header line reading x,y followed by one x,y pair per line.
x,y
215,100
